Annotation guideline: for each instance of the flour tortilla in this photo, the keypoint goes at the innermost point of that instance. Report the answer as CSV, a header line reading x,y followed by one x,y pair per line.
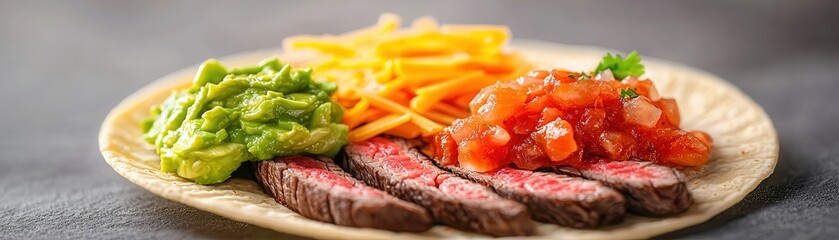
x,y
745,152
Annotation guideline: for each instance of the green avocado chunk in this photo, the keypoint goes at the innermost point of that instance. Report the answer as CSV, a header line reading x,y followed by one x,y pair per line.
x,y
253,113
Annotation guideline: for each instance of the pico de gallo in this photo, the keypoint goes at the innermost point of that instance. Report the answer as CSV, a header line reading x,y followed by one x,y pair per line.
x,y
558,117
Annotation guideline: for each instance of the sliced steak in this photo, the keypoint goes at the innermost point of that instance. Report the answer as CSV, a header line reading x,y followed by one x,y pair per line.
x,y
564,200
650,189
392,165
320,190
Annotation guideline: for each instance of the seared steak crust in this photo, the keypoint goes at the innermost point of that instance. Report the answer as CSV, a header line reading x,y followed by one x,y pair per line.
x,y
650,189
392,165
564,200
318,189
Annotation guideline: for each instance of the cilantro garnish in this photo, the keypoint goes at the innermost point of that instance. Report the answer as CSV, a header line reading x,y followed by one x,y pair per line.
x,y
487,124
621,67
628,93
584,76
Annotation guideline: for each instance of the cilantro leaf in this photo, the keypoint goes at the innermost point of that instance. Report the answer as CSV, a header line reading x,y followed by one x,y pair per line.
x,y
621,68
584,76
628,93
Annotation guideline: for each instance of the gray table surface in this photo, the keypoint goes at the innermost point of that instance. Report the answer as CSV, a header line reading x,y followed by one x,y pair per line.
x,y
65,64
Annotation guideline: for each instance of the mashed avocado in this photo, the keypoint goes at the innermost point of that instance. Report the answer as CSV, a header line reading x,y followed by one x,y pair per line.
x,y
243,114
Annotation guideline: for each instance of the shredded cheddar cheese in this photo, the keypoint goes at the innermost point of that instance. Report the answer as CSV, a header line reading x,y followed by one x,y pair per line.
x,y
409,82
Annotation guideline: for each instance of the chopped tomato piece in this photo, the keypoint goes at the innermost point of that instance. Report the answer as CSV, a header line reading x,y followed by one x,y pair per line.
x,y
498,102
557,139
686,150
540,74
583,93
704,137
528,155
564,76
558,117
670,109
617,145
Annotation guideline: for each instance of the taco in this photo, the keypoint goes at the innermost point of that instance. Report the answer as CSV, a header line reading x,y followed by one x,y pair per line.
x,y
602,205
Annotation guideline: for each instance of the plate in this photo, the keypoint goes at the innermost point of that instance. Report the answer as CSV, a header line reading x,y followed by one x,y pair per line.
x,y
745,152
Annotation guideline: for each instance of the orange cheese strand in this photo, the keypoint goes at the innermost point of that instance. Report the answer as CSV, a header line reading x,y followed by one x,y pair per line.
x,y
379,126
428,72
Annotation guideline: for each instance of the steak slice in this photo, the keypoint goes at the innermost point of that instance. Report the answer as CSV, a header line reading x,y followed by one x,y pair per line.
x,y
560,199
650,189
391,164
318,189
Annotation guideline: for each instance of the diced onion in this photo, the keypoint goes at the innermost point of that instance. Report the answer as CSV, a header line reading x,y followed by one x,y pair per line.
x,y
641,111
605,75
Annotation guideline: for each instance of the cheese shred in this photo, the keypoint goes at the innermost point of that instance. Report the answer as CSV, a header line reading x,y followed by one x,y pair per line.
x,y
413,81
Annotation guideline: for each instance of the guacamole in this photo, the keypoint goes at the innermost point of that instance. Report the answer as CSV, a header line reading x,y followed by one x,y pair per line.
x,y
230,116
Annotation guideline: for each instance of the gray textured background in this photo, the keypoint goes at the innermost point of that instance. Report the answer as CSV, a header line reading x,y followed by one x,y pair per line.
x,y
64,64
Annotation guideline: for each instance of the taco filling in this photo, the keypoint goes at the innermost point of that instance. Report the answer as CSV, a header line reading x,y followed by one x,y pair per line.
x,y
559,117
243,114
444,125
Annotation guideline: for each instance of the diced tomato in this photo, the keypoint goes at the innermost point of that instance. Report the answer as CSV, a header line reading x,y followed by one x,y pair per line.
x,y
617,145
686,150
497,136
539,74
550,118
528,155
564,76
446,149
704,137
534,87
477,155
535,105
575,159
549,115
670,109
498,102
523,124
642,87
582,94
593,121
556,139
460,129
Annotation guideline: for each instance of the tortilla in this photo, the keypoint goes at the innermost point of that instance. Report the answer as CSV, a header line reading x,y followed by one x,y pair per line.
x,y
745,152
